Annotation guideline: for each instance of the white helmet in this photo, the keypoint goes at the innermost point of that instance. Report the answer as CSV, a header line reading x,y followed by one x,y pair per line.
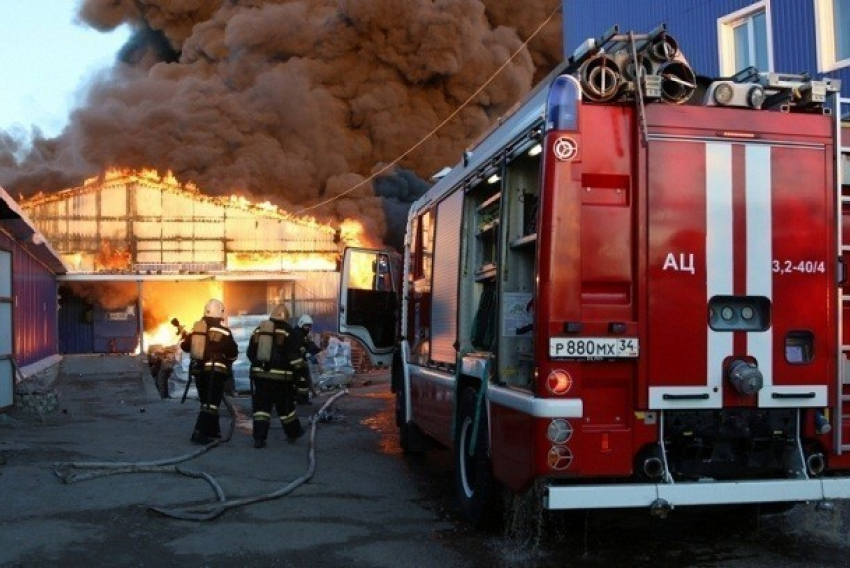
x,y
305,320
214,309
279,313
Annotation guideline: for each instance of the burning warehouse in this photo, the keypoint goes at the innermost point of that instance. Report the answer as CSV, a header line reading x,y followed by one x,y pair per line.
x,y
143,249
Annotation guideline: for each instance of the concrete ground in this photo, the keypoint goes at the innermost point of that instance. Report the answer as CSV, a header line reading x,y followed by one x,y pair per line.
x,y
365,506
361,507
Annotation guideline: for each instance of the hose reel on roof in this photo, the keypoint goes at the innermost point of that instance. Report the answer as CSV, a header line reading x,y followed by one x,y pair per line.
x,y
600,78
624,66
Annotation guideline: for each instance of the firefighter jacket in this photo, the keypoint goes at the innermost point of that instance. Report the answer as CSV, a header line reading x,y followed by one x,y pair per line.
x,y
211,346
275,351
308,346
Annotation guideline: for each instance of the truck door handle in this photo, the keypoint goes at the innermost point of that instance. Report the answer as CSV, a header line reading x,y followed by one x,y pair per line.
x,y
792,395
703,396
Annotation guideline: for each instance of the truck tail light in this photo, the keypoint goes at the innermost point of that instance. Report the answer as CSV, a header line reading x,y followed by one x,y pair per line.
x,y
559,382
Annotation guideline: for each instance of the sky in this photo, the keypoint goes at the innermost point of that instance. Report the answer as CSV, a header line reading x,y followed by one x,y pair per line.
x,y
45,60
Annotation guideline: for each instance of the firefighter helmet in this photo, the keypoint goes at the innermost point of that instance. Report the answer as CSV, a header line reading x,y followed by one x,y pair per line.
x,y
279,313
305,320
214,309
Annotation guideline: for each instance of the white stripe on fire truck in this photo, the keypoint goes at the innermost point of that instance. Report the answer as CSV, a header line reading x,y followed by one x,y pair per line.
x,y
759,248
719,259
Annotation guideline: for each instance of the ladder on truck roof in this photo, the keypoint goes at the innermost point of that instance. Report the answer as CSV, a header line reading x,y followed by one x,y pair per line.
x,y
842,173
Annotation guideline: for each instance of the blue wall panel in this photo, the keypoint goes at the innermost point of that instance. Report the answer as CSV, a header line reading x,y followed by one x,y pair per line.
x,y
34,310
76,324
692,22
87,328
793,27
115,331
694,25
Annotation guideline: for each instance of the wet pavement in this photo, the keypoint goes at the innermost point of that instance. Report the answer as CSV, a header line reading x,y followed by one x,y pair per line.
x,y
367,505
356,510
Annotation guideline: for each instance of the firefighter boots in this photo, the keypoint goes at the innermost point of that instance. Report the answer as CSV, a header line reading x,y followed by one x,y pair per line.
x,y
293,431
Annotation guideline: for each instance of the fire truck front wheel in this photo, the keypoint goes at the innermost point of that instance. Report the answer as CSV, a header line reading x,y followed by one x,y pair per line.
x,y
476,488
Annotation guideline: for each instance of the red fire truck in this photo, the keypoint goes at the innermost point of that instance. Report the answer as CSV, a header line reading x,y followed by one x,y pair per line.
x,y
628,292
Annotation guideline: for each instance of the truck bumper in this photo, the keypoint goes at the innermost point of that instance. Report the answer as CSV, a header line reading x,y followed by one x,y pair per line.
x,y
700,493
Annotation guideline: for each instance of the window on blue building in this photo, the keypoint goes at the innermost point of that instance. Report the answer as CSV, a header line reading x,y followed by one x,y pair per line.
x,y
841,28
744,39
751,42
833,28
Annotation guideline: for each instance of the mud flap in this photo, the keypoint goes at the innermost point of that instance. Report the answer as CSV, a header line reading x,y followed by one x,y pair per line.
x,y
479,406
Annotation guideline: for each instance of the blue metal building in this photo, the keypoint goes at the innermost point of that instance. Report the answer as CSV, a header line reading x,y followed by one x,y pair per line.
x,y
28,300
720,37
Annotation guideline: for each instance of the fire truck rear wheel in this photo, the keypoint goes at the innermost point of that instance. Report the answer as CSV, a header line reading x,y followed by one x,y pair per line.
x,y
478,491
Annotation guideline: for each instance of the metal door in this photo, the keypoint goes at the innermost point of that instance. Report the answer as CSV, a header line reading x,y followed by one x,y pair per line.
x,y
739,268
7,381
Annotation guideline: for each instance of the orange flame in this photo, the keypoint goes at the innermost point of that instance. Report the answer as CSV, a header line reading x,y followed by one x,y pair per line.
x,y
364,272
109,259
183,301
360,274
351,233
281,261
165,334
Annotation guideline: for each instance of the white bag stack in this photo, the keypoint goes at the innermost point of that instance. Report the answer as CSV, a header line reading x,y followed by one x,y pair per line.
x,y
335,365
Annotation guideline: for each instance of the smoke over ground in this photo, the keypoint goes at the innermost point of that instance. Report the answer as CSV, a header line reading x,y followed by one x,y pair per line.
x,y
294,101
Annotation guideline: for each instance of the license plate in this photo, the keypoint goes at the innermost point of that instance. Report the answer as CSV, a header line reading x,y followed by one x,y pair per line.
x,y
593,347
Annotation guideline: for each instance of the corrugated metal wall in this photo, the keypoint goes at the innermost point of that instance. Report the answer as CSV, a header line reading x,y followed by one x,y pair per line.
x,y
317,294
694,25
162,224
76,324
319,297
34,309
88,328
692,22
115,331
7,350
794,38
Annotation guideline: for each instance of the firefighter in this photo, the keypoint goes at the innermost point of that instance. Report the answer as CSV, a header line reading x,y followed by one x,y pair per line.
x,y
309,349
275,355
212,350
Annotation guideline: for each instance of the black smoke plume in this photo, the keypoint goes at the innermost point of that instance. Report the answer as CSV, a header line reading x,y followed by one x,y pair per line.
x,y
292,101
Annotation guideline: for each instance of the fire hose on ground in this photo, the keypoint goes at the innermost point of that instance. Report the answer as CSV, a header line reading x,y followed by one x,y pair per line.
x,y
205,512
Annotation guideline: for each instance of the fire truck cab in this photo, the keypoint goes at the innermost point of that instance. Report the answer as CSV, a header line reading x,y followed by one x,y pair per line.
x,y
629,292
